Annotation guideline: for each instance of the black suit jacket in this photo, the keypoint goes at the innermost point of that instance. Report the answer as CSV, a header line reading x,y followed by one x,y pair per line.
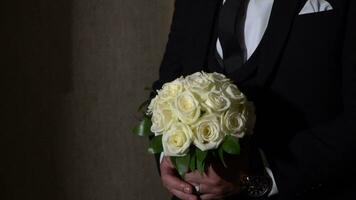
x,y
303,85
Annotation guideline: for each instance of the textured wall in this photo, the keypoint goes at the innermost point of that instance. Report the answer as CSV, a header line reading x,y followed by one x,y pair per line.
x,y
73,73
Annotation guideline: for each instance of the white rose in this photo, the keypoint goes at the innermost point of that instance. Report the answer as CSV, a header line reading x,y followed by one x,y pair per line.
x,y
162,119
152,105
231,91
170,90
207,133
177,140
198,83
158,103
218,78
216,102
186,107
234,123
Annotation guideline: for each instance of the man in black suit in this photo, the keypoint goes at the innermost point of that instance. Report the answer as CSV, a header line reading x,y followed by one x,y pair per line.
x,y
301,75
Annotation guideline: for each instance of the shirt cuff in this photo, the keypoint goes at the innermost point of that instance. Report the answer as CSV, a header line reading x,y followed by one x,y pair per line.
x,y
274,190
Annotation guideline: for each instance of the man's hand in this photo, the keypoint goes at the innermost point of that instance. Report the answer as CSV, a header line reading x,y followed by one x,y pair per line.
x,y
219,182
174,183
212,185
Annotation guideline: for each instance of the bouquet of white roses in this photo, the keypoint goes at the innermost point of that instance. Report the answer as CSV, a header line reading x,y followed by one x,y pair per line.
x,y
196,117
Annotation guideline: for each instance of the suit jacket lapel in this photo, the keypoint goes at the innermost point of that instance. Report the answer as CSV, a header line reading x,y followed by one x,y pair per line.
x,y
275,38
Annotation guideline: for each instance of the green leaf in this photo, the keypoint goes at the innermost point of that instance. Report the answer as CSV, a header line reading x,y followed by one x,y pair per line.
x,y
155,145
231,145
143,105
182,164
202,167
201,155
193,161
214,153
144,127
221,156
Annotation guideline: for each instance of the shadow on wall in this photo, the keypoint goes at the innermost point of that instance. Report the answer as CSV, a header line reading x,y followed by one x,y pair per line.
x,y
35,77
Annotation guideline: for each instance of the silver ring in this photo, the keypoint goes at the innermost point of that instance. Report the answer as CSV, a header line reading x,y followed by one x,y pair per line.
x,y
197,188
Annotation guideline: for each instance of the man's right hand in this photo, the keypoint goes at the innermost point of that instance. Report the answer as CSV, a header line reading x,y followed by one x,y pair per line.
x,y
174,183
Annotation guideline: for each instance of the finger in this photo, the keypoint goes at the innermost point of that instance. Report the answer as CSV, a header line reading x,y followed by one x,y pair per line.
x,y
173,182
183,196
167,164
210,189
168,160
212,173
210,197
170,179
214,179
216,192
194,177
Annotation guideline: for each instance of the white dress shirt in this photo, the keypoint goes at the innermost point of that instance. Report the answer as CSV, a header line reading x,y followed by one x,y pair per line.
x,y
256,21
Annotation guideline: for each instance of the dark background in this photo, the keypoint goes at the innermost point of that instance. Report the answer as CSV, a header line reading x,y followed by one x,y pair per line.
x,y
72,76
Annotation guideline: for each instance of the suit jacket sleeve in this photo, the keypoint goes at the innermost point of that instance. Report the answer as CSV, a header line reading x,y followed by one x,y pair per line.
x,y
322,155
171,67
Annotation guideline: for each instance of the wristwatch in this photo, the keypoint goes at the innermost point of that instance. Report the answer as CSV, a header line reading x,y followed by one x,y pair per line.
x,y
256,187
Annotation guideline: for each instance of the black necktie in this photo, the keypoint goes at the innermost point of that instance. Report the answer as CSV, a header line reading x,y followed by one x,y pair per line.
x,y
230,33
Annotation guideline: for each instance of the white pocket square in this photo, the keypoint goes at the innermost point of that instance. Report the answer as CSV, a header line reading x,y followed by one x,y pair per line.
x,y
314,6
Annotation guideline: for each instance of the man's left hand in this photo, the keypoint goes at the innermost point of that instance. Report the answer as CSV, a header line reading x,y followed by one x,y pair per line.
x,y
212,185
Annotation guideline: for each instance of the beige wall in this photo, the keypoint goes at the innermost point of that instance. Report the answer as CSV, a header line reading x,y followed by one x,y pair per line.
x,y
73,76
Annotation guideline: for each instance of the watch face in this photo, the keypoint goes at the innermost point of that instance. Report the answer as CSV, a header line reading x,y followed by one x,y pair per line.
x,y
258,186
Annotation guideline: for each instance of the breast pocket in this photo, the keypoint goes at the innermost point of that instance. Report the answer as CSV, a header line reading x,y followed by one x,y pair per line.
x,y
314,45
319,21
317,31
